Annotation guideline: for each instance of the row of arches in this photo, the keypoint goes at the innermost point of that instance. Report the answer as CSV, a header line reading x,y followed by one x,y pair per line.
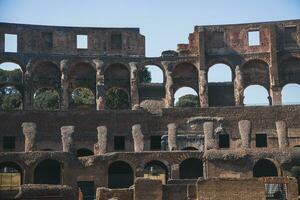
x,y
255,74
120,173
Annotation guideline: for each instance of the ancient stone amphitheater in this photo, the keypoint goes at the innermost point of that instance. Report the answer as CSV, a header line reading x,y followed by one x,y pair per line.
x,y
151,150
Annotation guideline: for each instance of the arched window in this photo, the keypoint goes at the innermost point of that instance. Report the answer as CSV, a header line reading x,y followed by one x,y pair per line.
x,y
151,74
290,94
191,168
116,99
10,176
117,75
82,97
264,168
120,175
11,73
48,172
84,152
186,97
219,73
46,99
156,170
10,98
46,74
256,95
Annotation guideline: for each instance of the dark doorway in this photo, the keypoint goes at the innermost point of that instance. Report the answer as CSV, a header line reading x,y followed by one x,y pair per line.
x,y
87,189
156,170
120,175
264,168
261,140
48,172
84,152
224,141
191,168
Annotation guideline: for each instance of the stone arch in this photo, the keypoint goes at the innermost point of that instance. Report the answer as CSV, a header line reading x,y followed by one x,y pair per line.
x,y
84,152
186,97
185,74
289,71
290,94
12,173
46,98
219,72
156,170
117,98
11,73
117,75
255,72
11,98
48,171
265,168
191,168
120,175
82,97
156,72
256,95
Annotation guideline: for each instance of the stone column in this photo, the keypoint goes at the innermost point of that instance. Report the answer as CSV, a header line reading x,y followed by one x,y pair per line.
x,y
238,87
209,138
101,146
138,138
245,133
67,138
29,131
203,89
282,134
100,90
172,129
175,171
64,85
169,96
134,91
27,104
275,94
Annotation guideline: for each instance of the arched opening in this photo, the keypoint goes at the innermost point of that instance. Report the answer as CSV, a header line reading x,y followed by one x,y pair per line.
x,y
189,149
46,99
256,95
10,98
264,168
290,71
191,168
48,172
84,152
117,75
219,73
11,73
295,172
290,94
156,170
117,99
120,175
10,176
186,97
255,72
185,74
220,85
151,74
46,74
82,98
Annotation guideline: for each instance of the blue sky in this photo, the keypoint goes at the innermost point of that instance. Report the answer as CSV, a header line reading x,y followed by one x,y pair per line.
x,y
165,23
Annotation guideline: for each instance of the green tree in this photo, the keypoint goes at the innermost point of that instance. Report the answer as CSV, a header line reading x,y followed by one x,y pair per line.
x,y
46,99
11,76
10,99
83,96
145,76
188,100
116,98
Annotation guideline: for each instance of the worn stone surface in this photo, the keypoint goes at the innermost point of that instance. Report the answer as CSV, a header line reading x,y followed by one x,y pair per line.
x,y
101,146
29,131
67,138
282,134
209,136
138,138
245,132
238,87
172,136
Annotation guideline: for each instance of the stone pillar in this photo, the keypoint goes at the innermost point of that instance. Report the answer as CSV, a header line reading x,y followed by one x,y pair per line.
x,y
238,87
135,102
209,138
203,89
64,85
101,146
138,138
100,90
67,138
27,104
172,129
175,171
282,134
29,131
275,93
245,133
169,94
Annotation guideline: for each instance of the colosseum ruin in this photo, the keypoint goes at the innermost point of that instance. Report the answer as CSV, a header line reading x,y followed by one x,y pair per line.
x,y
151,149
